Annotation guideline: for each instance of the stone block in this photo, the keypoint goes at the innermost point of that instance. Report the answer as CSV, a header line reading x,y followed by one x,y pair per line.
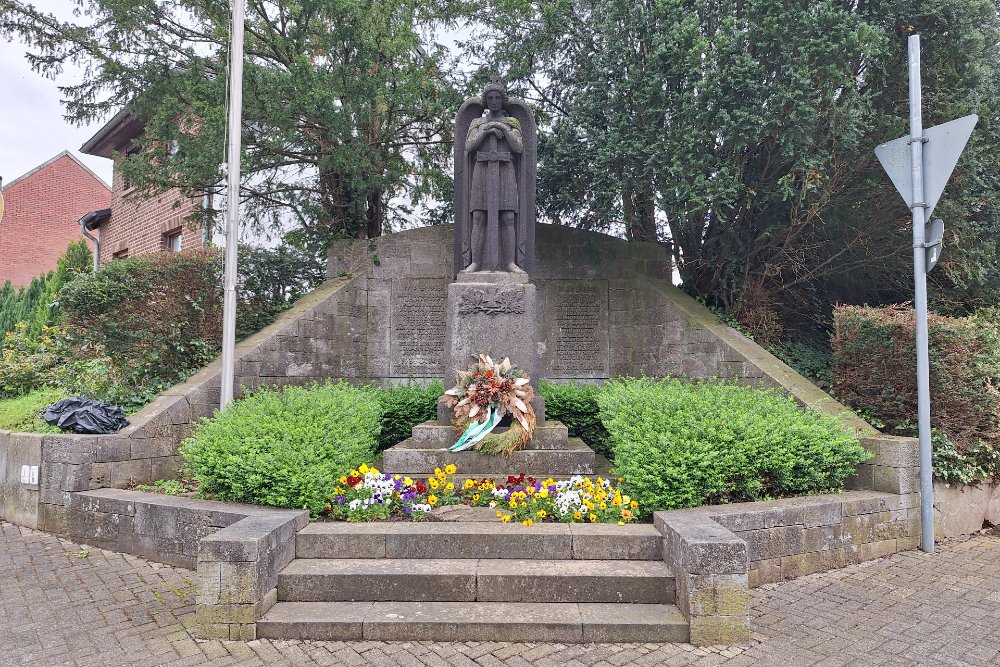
x,y
879,549
226,613
774,542
53,518
821,538
157,520
775,517
714,630
242,583
166,467
76,477
863,504
498,319
129,473
896,480
626,582
822,514
863,479
764,572
51,475
739,522
628,542
148,448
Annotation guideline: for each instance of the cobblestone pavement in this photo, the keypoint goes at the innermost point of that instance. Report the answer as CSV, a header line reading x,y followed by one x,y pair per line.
x,y
66,604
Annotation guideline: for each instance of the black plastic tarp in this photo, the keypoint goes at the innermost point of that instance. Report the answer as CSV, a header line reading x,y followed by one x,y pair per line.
x,y
85,415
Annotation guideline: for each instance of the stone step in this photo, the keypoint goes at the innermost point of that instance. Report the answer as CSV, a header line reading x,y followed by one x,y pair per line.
x,y
474,621
556,541
415,457
552,435
602,468
471,580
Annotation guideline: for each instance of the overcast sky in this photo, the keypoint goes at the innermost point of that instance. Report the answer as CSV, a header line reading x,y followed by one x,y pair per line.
x,y
32,129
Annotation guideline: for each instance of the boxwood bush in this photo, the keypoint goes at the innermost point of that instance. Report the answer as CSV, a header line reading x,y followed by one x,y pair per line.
x,y
576,406
285,448
679,443
403,407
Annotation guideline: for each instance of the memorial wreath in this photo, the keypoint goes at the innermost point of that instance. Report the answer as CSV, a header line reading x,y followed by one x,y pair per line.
x,y
483,395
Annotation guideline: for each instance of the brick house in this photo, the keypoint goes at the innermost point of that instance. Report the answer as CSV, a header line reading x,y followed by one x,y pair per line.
x,y
41,210
137,223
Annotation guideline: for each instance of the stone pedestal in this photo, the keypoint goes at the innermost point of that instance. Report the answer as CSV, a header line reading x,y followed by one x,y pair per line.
x,y
491,313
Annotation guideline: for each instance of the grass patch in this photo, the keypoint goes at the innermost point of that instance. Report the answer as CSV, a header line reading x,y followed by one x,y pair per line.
x,y
24,413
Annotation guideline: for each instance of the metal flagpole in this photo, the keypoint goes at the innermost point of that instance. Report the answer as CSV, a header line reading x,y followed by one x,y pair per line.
x,y
232,203
920,299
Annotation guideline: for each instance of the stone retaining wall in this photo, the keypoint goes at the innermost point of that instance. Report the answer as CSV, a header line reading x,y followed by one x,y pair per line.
x,y
304,344
718,553
962,510
237,550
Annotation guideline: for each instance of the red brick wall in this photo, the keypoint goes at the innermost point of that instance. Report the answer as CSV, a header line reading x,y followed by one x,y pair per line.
x,y
140,223
41,214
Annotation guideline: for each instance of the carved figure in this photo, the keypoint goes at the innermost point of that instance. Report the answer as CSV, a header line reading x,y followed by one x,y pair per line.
x,y
495,167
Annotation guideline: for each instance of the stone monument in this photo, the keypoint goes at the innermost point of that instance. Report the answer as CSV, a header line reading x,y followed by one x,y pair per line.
x,y
491,306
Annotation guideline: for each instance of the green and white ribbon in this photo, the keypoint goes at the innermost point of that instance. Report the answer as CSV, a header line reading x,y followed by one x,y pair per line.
x,y
477,431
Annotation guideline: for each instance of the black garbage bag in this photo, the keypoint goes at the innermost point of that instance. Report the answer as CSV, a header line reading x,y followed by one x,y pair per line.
x,y
85,415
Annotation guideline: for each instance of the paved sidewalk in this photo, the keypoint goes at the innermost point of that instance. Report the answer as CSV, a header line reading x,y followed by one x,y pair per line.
x,y
65,604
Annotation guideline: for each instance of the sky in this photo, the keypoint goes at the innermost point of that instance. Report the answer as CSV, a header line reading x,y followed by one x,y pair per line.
x,y
32,129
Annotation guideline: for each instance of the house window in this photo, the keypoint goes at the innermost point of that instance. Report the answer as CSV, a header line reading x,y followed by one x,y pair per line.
x,y
127,184
172,241
121,254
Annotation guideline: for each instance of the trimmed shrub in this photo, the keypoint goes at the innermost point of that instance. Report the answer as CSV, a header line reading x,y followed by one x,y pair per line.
x,y
285,448
576,406
682,444
875,370
405,406
25,412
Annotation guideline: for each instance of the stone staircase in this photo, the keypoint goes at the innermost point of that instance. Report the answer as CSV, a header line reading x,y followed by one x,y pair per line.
x,y
476,581
479,579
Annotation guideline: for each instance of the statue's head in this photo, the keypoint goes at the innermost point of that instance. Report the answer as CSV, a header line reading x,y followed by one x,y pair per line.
x,y
494,95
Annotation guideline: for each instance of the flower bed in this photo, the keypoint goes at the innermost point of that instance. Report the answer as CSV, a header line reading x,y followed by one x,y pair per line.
x,y
367,494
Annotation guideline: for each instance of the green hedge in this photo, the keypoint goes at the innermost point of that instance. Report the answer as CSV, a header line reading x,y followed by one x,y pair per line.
x,y
576,406
875,370
683,444
152,320
405,406
285,448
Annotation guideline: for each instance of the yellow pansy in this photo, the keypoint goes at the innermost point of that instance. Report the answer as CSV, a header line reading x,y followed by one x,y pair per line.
x,y
468,484
408,481
634,504
433,483
527,522
432,500
593,517
363,469
450,469
505,518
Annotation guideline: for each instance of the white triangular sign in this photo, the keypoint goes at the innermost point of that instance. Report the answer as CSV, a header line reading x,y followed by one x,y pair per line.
x,y
944,145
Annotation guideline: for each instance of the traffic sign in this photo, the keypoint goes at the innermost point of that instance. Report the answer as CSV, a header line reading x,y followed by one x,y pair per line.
x,y
933,242
943,145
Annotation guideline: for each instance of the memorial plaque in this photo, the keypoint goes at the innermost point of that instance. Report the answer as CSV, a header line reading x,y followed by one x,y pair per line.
x,y
575,323
417,320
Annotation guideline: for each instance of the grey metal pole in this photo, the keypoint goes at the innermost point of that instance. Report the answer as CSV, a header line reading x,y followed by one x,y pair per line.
x,y
232,203
920,300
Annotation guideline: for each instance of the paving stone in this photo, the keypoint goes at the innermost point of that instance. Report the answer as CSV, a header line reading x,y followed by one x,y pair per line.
x,y
57,608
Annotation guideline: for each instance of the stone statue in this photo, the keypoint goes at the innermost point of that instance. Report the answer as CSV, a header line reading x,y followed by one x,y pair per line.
x,y
495,167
